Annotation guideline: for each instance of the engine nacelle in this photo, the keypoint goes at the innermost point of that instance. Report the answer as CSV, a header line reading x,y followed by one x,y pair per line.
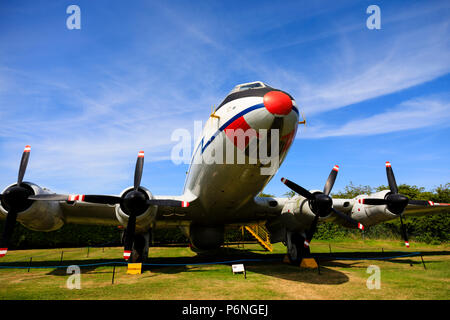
x,y
39,215
370,214
145,219
298,207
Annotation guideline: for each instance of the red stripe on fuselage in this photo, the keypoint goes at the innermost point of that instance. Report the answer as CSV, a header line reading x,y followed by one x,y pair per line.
x,y
234,133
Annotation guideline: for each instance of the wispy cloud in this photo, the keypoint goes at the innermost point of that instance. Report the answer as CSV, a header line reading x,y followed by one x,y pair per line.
x,y
411,114
93,134
363,70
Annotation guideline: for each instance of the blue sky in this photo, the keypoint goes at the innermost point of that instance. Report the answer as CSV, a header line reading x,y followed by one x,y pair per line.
x,y
88,100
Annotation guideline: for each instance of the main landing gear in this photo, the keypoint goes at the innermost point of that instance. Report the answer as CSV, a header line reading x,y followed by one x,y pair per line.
x,y
296,250
139,251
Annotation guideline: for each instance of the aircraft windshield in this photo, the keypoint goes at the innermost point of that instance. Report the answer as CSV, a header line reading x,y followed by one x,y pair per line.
x,y
249,86
246,86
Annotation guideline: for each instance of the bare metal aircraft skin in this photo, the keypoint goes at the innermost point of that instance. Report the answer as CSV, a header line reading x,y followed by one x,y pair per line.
x,y
220,189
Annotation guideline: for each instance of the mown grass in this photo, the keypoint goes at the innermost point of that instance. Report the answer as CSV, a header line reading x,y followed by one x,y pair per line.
x,y
404,278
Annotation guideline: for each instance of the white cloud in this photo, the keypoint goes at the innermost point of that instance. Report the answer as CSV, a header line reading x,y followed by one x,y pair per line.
x,y
359,66
93,133
411,114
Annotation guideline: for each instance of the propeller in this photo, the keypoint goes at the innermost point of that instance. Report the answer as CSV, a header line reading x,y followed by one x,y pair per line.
x,y
320,203
133,203
14,200
396,202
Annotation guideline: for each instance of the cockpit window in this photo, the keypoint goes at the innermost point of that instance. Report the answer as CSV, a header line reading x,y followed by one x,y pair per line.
x,y
250,86
246,86
245,90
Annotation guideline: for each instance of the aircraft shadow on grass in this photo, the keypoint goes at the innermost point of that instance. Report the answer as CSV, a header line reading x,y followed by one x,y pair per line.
x,y
266,264
345,259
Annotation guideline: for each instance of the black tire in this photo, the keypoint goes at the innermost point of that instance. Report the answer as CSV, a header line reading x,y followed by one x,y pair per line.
x,y
139,251
298,240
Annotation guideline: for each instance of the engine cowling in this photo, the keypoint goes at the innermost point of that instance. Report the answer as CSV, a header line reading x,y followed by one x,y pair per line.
x,y
36,215
371,214
144,219
300,209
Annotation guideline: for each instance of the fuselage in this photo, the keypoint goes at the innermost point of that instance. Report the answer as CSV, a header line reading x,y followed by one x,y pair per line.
x,y
222,183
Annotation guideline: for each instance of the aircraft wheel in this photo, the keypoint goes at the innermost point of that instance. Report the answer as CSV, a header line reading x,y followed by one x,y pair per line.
x,y
296,248
139,252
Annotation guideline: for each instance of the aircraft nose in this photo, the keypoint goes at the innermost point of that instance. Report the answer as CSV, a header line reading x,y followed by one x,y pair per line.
x,y
277,103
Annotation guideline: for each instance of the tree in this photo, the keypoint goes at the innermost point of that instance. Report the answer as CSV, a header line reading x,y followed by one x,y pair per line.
x,y
352,191
265,195
289,194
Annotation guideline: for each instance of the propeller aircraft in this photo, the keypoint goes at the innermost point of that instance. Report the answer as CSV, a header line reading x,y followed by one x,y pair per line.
x,y
216,195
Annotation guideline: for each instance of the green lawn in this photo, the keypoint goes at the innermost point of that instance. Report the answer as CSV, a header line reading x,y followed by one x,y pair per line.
x,y
404,278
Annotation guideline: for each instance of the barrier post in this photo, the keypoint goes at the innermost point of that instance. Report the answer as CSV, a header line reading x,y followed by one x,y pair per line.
x,y
114,272
29,265
421,257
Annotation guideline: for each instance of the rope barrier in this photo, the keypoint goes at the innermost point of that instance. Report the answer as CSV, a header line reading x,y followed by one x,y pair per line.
x,y
204,263
144,264
381,258
55,267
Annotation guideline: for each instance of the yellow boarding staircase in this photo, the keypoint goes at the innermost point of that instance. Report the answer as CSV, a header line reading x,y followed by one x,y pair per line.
x,y
261,234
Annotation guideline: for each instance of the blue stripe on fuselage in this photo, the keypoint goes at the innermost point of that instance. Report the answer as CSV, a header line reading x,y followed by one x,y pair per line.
x,y
226,124
237,116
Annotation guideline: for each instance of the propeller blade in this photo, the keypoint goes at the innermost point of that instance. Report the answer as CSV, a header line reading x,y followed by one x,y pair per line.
x,y
129,236
405,234
374,202
138,170
300,190
168,203
419,203
23,164
331,179
391,178
311,231
8,232
347,218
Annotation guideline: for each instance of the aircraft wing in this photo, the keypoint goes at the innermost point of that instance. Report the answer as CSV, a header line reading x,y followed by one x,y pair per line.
x,y
426,208
81,212
89,213
431,208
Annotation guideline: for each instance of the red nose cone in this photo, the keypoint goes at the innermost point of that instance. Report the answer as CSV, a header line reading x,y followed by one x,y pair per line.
x,y
277,102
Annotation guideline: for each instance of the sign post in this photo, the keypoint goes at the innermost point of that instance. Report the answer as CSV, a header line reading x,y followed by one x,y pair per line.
x,y
238,268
